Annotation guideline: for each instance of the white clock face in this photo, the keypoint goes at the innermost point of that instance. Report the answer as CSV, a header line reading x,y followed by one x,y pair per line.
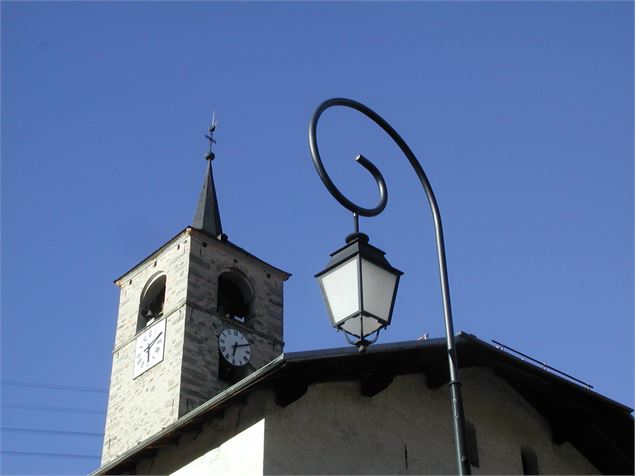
x,y
234,347
149,348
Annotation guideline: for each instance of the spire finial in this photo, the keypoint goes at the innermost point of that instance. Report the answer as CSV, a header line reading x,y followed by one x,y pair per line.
x,y
207,216
210,137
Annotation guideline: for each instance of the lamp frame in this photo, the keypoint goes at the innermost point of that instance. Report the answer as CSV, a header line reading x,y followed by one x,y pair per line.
x,y
358,247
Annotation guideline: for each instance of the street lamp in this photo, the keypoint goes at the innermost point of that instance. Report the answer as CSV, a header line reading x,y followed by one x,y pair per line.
x,y
359,287
347,289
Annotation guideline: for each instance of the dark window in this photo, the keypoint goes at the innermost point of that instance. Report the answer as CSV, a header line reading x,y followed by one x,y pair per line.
x,y
152,300
530,460
470,442
234,297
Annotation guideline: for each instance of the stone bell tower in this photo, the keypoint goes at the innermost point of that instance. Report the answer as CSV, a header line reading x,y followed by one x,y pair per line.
x,y
195,317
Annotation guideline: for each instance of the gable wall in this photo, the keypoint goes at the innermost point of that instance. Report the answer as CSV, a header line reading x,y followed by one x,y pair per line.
x,y
405,429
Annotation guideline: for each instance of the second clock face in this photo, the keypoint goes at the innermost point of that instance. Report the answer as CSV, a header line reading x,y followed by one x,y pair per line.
x,y
234,347
149,348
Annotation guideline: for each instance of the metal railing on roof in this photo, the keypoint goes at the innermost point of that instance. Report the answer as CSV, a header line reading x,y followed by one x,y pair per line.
x,y
542,365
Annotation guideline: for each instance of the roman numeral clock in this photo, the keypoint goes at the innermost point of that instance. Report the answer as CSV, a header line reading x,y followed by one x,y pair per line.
x,y
234,347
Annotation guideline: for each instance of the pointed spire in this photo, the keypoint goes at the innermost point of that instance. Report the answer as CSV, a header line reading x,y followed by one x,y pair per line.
x,y
207,216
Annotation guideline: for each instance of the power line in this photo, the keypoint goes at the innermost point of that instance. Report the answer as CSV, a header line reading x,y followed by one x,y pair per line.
x,y
73,388
49,455
20,406
48,432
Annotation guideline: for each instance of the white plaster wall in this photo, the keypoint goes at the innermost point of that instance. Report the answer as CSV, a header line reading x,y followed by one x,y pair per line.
x,y
240,455
333,429
505,422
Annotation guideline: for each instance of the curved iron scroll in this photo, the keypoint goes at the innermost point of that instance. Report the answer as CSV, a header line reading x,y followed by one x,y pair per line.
x,y
454,384
367,164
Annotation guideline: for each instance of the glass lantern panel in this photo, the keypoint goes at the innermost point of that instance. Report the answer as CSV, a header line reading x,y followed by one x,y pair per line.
x,y
378,290
341,291
353,327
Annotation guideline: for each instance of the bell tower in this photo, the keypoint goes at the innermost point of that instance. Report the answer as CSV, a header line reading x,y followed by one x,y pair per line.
x,y
195,317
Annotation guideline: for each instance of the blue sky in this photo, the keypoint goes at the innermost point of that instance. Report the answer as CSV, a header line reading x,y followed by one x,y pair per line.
x,y
520,112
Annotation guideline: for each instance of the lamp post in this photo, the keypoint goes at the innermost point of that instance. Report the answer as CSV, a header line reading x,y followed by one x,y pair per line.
x,y
351,313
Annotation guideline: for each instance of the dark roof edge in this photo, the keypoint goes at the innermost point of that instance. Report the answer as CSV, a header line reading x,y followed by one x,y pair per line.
x,y
244,384
301,356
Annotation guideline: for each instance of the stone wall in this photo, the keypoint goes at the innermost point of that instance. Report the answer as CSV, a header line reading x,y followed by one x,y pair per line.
x,y
141,407
209,258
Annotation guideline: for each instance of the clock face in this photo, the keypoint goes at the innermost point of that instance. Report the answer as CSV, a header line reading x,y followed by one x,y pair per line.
x,y
234,347
149,348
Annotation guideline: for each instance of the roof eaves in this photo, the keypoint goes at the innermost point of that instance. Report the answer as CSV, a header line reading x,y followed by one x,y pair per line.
x,y
285,274
556,378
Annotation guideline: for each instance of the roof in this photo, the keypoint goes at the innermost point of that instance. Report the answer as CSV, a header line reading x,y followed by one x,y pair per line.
x,y
598,427
207,215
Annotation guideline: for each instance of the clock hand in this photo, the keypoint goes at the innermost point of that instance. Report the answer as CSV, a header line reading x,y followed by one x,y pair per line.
x,y
153,341
241,345
235,346
147,349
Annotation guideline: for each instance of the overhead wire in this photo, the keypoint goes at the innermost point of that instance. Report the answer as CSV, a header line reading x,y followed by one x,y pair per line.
x,y
14,383
48,432
20,406
50,408
49,455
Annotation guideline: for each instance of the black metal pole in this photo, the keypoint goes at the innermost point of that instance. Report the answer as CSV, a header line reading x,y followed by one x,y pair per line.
x,y
458,418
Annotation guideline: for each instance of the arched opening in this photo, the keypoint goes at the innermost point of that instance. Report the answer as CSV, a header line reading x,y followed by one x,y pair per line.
x,y
152,301
234,297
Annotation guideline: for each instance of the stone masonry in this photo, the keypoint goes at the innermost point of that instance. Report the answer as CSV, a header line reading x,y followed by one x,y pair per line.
x,y
188,375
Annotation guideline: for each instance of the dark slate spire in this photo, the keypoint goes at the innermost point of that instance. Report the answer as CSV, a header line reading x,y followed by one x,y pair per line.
x,y
207,216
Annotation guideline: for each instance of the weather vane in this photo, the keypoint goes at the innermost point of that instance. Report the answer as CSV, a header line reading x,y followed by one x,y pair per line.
x,y
210,137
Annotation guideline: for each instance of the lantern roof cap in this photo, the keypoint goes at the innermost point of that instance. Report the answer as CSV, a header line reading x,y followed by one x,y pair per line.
x,y
358,244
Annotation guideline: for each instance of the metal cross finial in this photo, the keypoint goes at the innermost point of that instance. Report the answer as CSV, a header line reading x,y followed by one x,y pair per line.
x,y
210,137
